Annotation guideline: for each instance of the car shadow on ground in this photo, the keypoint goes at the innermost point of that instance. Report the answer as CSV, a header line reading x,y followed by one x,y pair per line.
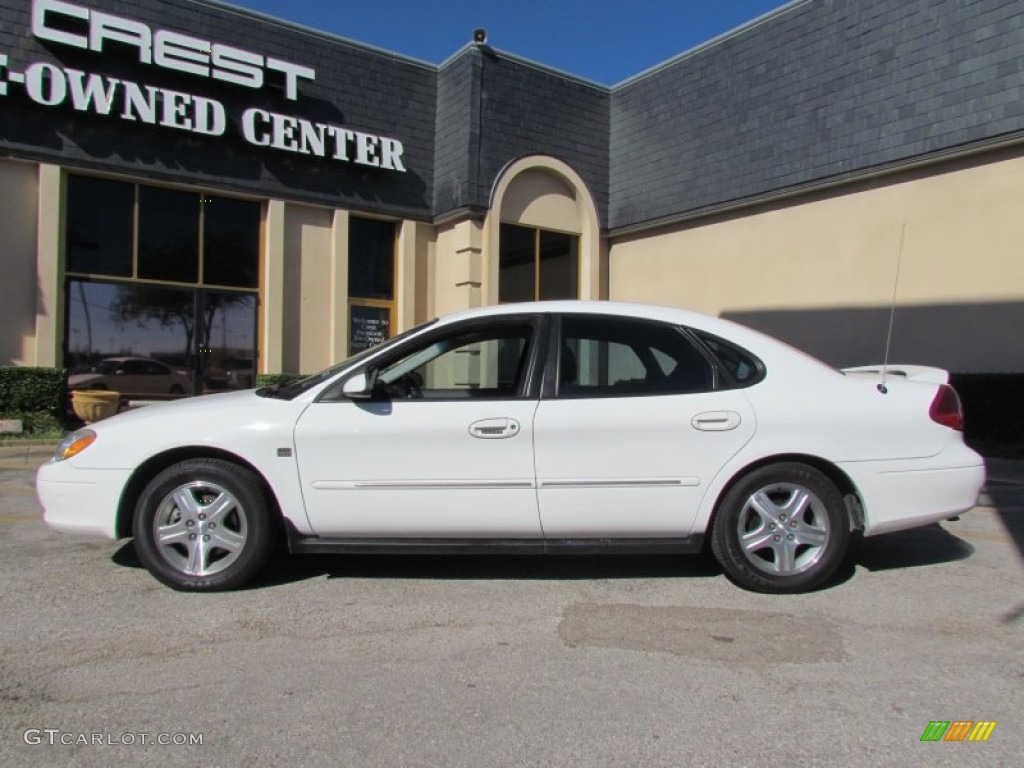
x,y
1007,498
907,549
286,569
916,547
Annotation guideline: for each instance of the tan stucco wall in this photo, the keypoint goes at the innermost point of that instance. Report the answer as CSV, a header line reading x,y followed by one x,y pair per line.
x,y
307,288
457,266
821,272
18,286
539,198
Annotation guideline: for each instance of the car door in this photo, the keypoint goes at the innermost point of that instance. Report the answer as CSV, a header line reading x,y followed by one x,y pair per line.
x,y
631,430
442,449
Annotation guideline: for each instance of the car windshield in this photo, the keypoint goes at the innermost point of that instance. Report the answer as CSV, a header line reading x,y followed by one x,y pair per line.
x,y
295,388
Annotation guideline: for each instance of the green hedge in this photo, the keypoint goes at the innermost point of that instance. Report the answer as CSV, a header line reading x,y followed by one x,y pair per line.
x,y
993,412
37,396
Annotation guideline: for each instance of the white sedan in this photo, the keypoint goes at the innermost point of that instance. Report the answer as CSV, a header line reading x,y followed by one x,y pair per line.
x,y
533,428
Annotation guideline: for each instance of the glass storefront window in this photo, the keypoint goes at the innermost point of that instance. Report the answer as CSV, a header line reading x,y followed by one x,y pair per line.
x,y
168,235
99,226
371,282
537,264
133,338
517,264
153,342
558,256
149,313
371,259
231,242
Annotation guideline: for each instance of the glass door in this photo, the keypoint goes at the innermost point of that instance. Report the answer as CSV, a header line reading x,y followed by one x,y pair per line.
x,y
153,342
226,351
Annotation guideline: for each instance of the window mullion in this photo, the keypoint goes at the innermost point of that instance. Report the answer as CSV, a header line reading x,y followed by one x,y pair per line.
x,y
135,231
536,264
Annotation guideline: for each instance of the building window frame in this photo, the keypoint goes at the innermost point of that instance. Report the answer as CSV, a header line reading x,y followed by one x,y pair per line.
x,y
507,228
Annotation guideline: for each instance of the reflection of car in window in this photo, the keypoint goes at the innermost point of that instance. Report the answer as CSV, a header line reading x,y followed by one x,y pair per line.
x,y
229,373
133,377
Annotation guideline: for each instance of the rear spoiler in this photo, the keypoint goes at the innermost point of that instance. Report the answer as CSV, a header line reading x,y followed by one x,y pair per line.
x,y
912,372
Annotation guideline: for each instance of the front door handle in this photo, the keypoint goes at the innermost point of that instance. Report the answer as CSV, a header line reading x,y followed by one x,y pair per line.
x,y
716,421
494,428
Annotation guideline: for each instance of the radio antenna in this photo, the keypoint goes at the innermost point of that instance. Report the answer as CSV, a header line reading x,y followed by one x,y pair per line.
x,y
892,311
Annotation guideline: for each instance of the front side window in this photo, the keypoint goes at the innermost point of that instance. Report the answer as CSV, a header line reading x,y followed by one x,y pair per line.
x,y
615,357
474,363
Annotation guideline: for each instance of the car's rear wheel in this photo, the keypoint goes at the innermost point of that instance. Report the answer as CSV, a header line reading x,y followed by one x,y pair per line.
x,y
204,525
781,528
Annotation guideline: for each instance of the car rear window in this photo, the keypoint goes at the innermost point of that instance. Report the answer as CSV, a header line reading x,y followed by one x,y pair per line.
x,y
741,366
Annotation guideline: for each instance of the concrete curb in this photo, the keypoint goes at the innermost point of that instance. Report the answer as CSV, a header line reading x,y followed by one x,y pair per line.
x,y
22,454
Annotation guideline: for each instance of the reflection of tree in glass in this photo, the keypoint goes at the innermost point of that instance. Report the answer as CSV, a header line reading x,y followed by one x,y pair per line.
x,y
170,307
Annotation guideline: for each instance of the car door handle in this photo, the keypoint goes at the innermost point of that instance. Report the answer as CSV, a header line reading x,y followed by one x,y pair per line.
x,y
716,421
494,428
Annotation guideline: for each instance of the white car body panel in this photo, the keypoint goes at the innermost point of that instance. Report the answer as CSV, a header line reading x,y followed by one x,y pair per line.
x,y
379,468
79,500
633,466
417,471
240,424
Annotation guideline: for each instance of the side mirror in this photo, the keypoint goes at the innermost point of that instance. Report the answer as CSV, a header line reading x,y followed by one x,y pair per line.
x,y
360,386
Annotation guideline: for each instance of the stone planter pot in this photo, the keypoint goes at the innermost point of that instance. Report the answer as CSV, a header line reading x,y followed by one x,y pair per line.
x,y
91,405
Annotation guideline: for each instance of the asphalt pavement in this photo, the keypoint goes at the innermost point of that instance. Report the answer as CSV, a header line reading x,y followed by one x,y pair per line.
x,y
476,662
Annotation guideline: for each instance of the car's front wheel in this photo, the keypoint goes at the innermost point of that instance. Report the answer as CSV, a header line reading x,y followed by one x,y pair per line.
x,y
204,525
781,528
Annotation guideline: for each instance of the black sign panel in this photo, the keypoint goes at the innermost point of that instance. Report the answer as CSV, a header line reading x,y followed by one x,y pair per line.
x,y
367,327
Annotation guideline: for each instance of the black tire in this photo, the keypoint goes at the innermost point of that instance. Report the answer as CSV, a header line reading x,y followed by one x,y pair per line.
x,y
783,528
219,529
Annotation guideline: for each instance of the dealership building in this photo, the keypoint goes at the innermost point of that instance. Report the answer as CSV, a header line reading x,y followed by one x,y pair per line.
x,y
228,193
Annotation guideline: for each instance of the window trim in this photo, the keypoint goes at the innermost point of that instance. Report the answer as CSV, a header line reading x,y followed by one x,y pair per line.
x,y
724,378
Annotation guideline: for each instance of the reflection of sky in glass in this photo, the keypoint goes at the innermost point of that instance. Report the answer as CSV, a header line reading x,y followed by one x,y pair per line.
x,y
156,321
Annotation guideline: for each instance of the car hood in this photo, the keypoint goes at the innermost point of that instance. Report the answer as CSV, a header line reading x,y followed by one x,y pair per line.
x,y
185,408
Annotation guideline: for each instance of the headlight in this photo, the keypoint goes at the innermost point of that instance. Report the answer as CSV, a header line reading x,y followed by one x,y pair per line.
x,y
74,444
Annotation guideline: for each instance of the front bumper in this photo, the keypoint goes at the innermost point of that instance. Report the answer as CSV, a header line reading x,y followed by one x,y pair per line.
x,y
78,500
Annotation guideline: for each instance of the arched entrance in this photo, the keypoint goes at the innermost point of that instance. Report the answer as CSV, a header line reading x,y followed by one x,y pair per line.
x,y
542,235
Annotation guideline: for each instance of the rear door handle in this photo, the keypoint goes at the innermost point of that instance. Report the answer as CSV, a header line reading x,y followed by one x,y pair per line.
x,y
492,429
716,421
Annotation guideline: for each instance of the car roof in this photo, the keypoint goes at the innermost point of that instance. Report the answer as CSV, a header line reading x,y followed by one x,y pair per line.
x,y
757,342
614,308
674,315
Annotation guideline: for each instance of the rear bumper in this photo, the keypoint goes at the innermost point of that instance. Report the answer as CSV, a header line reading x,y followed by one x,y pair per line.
x,y
81,501
907,494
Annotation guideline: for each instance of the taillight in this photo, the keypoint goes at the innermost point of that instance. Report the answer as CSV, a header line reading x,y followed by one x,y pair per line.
x,y
946,410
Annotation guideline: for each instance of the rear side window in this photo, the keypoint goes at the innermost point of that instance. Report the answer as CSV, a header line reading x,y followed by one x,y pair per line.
x,y
739,365
618,357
